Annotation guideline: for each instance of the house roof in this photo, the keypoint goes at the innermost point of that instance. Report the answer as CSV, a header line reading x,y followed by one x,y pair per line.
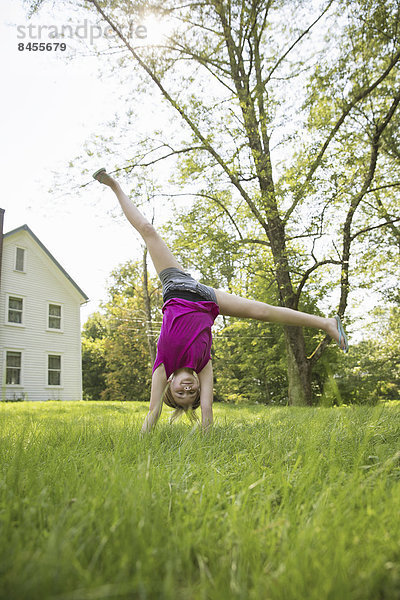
x,y
43,247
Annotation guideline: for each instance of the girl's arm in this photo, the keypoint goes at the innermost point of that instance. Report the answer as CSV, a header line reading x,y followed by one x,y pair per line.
x,y
158,383
206,396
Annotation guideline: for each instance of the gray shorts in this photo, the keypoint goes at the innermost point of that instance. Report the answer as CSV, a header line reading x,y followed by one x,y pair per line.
x,y
175,281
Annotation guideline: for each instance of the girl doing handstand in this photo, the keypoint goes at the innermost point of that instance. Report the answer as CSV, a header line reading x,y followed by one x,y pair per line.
x,y
182,372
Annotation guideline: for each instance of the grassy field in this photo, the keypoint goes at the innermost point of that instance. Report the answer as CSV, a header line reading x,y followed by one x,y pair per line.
x,y
277,503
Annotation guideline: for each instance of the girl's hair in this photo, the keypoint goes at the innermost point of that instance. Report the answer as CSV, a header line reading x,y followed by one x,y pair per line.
x,y
168,399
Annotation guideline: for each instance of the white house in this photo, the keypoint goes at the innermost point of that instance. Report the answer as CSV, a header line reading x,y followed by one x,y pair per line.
x,y
40,338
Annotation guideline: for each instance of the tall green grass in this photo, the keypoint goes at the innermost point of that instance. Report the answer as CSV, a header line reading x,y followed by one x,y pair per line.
x,y
274,504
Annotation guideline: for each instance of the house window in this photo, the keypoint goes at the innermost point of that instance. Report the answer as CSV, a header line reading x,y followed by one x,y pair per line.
x,y
54,369
20,259
15,307
54,316
13,368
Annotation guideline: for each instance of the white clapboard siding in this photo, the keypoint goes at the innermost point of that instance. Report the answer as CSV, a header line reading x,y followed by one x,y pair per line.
x,y
43,281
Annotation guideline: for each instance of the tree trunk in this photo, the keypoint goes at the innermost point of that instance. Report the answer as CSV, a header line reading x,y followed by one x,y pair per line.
x,y
299,368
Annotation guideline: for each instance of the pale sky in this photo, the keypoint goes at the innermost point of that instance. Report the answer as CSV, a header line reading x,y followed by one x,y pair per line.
x,y
49,108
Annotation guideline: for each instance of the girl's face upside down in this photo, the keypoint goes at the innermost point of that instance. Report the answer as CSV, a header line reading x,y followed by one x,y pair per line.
x,y
184,387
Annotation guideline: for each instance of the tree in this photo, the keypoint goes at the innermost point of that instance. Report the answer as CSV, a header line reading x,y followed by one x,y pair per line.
x,y
128,363
373,374
302,133
94,363
134,317
119,345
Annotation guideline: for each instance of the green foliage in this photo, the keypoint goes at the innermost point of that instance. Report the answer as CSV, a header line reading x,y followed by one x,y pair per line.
x,y
94,334
249,363
203,238
115,348
128,362
277,503
373,373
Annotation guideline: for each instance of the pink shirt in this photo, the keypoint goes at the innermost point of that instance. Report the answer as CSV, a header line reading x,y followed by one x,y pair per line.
x,y
185,337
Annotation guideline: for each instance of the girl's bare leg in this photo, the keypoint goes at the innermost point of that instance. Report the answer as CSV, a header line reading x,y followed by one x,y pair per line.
x,y
235,306
161,255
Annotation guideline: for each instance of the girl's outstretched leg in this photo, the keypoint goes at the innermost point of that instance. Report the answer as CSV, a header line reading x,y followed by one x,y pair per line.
x,y
161,255
235,306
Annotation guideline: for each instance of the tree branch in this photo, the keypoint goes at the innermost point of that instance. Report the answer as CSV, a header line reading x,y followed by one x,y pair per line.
x,y
282,58
254,241
130,167
385,224
205,62
390,223
231,175
156,160
307,274
259,92
363,94
347,239
209,197
384,187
